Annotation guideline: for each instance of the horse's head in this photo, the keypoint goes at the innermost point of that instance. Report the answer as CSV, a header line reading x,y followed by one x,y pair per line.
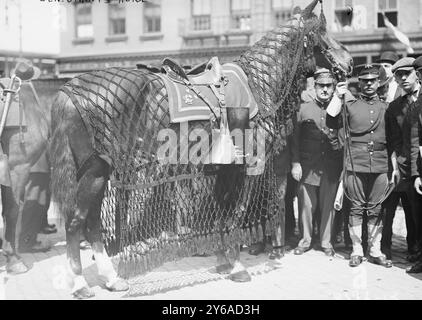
x,y
327,51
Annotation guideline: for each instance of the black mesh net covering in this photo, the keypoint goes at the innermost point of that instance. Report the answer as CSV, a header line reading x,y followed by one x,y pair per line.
x,y
155,212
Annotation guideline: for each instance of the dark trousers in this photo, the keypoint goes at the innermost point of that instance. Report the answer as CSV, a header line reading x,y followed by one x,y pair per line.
x,y
406,193
309,199
37,202
365,191
291,193
279,237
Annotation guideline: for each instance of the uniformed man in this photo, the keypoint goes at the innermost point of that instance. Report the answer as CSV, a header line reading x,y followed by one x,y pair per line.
x,y
416,158
316,164
367,162
402,132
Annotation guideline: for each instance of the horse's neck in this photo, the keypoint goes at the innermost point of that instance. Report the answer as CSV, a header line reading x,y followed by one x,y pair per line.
x,y
264,60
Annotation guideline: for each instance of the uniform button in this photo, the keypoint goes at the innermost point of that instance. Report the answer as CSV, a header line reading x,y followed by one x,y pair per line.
x,y
372,121
371,103
372,111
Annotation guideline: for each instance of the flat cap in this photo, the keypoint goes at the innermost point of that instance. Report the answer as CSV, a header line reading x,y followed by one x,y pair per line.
x,y
369,72
324,76
417,64
389,56
403,64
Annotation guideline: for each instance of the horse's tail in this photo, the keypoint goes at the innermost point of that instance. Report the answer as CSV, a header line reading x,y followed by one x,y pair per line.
x,y
63,174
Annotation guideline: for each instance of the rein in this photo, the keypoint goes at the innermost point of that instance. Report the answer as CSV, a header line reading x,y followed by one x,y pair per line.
x,y
347,154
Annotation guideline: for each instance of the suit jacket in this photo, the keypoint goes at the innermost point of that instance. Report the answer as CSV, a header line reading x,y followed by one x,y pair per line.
x,y
402,131
315,146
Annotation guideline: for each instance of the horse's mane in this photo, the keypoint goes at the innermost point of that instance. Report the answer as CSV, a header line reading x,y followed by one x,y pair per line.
x,y
275,65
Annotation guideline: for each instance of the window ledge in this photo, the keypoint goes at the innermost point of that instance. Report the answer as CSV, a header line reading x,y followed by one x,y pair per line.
x,y
151,36
86,40
116,38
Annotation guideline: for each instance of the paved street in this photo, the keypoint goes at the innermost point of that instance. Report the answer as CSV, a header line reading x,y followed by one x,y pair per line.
x,y
311,276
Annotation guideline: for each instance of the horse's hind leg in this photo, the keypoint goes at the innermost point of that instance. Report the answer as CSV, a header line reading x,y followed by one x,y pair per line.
x,y
90,195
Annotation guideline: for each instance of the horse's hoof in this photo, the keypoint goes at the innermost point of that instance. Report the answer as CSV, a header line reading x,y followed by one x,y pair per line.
x,y
16,268
241,276
83,293
119,285
224,268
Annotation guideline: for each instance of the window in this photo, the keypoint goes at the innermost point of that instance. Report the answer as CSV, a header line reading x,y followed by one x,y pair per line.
x,y
389,9
240,14
343,15
201,15
282,11
83,20
152,16
117,20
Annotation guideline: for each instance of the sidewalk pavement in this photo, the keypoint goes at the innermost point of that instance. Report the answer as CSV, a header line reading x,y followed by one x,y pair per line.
x,y
310,276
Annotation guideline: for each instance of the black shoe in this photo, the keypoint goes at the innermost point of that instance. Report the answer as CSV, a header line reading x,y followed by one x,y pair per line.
x,y
416,268
258,249
83,245
37,247
355,261
413,257
300,250
387,252
329,252
381,260
49,229
276,253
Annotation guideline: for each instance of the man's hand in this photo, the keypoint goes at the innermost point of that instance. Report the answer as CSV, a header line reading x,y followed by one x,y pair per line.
x,y
341,89
418,185
395,176
297,171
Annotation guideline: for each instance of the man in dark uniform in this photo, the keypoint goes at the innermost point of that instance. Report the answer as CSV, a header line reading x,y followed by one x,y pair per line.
x,y
367,162
402,132
416,159
316,164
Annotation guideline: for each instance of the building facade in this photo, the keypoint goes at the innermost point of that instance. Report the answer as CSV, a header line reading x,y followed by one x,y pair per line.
x,y
124,33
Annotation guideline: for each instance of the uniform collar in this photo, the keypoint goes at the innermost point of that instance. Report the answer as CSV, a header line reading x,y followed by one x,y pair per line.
x,y
321,104
374,97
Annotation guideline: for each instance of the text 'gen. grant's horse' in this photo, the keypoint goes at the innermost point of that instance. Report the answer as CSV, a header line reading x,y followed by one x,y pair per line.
x,y
107,123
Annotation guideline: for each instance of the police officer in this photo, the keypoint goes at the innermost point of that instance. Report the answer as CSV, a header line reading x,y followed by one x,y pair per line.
x,y
416,158
367,162
402,132
316,164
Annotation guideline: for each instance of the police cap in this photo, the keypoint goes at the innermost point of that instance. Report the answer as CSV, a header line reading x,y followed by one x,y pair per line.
x,y
369,72
323,76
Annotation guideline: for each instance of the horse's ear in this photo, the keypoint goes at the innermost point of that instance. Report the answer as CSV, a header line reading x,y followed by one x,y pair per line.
x,y
307,12
323,21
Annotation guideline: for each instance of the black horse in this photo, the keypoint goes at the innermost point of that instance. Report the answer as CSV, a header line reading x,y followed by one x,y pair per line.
x,y
105,121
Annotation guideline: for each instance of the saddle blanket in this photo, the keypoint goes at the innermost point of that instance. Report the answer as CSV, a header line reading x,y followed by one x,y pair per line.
x,y
185,105
13,116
